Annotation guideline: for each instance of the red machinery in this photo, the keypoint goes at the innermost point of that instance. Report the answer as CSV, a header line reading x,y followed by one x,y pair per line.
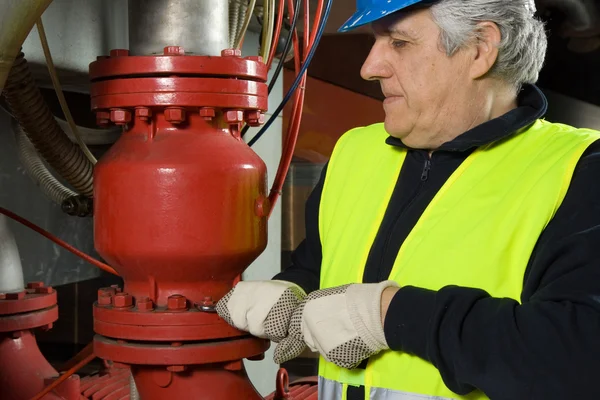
x,y
180,206
26,371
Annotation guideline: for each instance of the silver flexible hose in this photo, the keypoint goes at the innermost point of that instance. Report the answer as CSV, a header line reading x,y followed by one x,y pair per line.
x,y
133,392
37,170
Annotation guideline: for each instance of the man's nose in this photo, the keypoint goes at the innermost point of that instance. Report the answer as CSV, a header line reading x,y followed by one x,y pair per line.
x,y
375,66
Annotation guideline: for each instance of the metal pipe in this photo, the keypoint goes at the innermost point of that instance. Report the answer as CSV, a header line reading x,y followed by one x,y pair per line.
x,y
16,20
201,27
11,273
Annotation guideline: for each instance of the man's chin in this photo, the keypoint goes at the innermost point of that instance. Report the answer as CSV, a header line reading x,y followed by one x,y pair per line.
x,y
396,130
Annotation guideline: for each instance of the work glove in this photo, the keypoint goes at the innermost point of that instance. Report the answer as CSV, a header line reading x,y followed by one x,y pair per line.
x,y
342,323
263,308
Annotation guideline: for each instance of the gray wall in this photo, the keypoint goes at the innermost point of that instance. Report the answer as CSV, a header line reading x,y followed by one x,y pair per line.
x,y
42,259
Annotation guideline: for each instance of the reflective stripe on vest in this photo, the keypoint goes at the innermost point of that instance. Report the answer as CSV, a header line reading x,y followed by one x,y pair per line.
x,y
479,230
332,390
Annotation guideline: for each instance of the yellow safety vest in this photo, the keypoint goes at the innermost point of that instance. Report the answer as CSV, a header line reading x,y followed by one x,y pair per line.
x,y
479,231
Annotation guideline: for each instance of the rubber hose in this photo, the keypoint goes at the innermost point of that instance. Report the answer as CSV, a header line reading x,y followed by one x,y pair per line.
x,y
50,186
52,143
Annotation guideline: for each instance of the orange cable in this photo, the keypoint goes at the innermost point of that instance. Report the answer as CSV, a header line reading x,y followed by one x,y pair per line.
x,y
64,377
79,253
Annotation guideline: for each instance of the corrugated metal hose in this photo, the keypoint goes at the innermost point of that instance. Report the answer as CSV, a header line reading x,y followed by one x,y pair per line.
x,y
31,111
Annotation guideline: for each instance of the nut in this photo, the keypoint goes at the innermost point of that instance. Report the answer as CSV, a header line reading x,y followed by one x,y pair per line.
x,y
116,288
102,118
104,299
231,53
234,116
119,53
120,116
44,290
122,300
174,51
15,296
255,58
144,304
255,118
33,285
207,113
143,113
176,302
175,115
176,368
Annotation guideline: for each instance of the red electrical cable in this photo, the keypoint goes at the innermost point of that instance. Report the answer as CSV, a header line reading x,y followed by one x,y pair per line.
x,y
294,125
64,377
58,241
280,11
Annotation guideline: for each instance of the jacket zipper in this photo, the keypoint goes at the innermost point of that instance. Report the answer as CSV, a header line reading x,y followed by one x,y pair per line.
x,y
424,177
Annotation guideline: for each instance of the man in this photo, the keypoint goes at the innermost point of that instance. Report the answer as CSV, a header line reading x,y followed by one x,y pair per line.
x,y
451,252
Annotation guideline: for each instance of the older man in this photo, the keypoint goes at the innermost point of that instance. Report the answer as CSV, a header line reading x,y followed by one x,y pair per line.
x,y
453,251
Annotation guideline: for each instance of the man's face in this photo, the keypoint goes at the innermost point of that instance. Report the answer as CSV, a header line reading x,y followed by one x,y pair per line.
x,y
423,87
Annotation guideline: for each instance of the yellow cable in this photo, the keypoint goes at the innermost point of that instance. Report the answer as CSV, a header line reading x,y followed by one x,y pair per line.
x,y
59,92
268,33
247,19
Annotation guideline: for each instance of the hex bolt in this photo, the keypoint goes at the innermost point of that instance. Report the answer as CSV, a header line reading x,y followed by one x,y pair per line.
x,y
15,296
116,288
43,290
104,299
143,113
208,113
144,304
175,115
176,368
176,302
122,300
255,58
208,305
255,118
173,51
34,285
102,118
119,53
120,116
234,116
231,53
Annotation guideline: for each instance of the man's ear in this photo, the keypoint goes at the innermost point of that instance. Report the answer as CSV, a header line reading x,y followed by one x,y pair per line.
x,y
485,49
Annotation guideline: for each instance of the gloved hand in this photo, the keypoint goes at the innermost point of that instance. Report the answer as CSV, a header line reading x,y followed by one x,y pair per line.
x,y
342,323
263,308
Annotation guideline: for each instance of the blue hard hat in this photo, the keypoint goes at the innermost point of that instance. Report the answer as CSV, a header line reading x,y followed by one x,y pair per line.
x,y
368,11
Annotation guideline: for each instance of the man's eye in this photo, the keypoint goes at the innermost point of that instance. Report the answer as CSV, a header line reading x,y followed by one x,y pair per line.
x,y
398,43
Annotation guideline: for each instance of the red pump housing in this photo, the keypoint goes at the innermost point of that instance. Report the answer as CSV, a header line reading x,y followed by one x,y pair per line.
x,y
180,208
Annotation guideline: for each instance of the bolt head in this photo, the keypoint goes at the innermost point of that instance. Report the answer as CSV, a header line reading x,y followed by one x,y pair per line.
x,y
175,115
255,58
234,116
34,285
122,300
144,304
44,290
231,53
255,118
102,118
176,368
208,301
119,53
176,302
119,116
207,113
15,296
143,113
174,51
105,299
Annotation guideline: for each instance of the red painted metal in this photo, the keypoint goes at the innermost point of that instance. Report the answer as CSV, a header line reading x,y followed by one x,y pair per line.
x,y
23,369
180,211
111,383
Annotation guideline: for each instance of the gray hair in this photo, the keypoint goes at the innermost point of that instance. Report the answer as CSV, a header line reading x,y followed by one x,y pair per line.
x,y
522,50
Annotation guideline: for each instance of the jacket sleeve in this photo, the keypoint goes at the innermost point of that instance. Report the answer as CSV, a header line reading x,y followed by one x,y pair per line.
x,y
545,347
306,258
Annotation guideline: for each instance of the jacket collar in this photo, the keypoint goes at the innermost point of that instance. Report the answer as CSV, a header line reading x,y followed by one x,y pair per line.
x,y
532,105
